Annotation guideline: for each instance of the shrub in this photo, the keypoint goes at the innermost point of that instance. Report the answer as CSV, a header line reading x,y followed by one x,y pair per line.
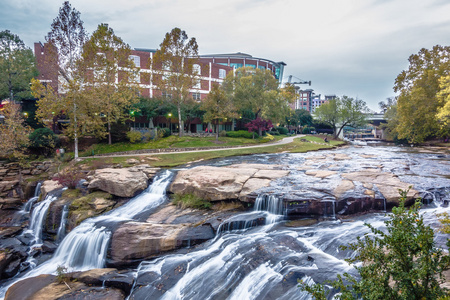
x,y
119,132
43,141
134,136
242,134
69,177
191,201
274,132
307,130
268,137
282,130
223,133
165,132
402,262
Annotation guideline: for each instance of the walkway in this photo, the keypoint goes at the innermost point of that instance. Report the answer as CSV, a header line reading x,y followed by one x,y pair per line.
x,y
283,141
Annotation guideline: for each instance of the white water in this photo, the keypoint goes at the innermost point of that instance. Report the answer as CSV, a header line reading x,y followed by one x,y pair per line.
x,y
62,224
27,207
37,218
85,247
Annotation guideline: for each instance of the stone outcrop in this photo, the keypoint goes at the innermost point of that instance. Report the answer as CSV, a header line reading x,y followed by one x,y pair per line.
x,y
136,241
49,186
121,182
224,183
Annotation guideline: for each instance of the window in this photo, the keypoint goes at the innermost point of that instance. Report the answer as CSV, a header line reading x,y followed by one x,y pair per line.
x,y
197,70
135,77
196,96
237,66
250,66
223,64
222,73
261,67
136,59
198,85
167,65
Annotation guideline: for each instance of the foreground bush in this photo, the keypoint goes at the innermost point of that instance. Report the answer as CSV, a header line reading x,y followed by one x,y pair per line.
x,y
43,141
242,134
402,263
134,136
282,130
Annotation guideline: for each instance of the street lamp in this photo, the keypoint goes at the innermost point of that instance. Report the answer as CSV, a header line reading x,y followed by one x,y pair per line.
x,y
170,123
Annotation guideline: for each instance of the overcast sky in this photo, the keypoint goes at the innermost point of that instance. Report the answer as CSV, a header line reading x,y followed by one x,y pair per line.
x,y
345,47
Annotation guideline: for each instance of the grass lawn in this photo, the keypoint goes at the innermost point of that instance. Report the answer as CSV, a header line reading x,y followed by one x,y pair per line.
x,y
174,142
176,159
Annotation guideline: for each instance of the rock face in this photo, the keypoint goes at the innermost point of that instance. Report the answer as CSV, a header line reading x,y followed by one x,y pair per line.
x,y
136,241
120,182
48,186
224,183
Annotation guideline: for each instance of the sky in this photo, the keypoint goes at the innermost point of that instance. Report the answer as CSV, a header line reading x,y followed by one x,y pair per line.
x,y
347,47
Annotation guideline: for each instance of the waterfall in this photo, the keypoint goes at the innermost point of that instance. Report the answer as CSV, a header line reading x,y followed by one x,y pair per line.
x,y
27,207
268,209
38,217
333,208
62,224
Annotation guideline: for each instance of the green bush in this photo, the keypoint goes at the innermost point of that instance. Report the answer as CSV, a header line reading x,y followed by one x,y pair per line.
x,y
223,133
190,201
43,141
282,130
307,130
165,132
134,136
241,134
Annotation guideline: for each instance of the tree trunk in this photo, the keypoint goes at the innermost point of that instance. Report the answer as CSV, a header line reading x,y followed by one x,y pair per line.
x,y
75,133
109,133
217,130
180,128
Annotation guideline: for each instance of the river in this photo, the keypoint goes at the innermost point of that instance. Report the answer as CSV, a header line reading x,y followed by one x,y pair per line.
x,y
263,262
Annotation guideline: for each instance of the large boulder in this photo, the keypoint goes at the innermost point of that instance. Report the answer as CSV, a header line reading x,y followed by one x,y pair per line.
x,y
49,186
134,241
119,182
225,183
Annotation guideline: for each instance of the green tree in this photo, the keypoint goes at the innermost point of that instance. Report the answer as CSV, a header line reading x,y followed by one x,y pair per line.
x,y
256,91
401,263
443,111
218,106
418,86
13,133
175,69
43,141
64,45
341,112
17,67
110,76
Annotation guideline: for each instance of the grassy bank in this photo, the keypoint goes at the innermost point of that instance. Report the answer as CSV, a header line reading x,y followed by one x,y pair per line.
x,y
176,159
174,142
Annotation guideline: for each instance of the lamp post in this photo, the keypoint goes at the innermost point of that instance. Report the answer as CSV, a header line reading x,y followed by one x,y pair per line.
x,y
170,123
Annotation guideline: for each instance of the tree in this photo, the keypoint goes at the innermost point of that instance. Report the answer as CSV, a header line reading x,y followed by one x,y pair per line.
x,y
401,263
302,117
341,112
43,141
259,125
443,111
13,133
218,106
418,86
17,67
64,46
255,90
110,76
385,105
174,66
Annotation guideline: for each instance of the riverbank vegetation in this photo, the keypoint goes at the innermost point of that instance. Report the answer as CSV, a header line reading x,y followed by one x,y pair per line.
x,y
402,262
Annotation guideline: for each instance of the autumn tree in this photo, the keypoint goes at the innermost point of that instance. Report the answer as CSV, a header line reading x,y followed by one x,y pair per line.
x,y
17,67
176,69
341,112
13,133
64,46
418,89
218,106
110,76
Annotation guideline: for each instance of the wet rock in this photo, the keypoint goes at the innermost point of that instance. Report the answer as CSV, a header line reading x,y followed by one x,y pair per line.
x,y
134,241
27,288
93,293
48,247
119,182
49,186
222,183
320,173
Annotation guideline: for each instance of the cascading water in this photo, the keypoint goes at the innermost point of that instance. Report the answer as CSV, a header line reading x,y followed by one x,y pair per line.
x,y
37,218
85,247
268,209
27,207
62,225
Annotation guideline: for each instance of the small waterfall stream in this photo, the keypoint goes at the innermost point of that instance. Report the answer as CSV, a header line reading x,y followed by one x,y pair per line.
x,y
62,225
37,218
85,247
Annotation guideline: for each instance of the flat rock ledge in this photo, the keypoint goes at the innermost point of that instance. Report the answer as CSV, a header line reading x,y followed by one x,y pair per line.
x,y
233,182
126,182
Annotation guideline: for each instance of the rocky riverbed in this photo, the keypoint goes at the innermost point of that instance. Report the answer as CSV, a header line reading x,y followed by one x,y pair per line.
x,y
321,185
